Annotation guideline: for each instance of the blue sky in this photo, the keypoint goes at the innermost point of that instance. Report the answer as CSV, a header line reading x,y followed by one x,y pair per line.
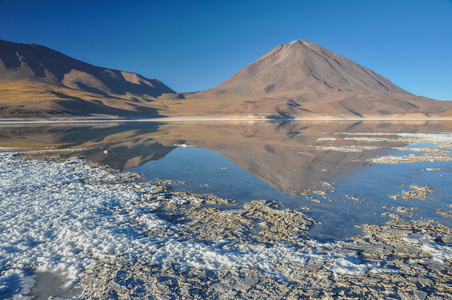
x,y
195,45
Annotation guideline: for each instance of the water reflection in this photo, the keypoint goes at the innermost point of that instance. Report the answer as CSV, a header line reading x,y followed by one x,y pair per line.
x,y
292,157
296,158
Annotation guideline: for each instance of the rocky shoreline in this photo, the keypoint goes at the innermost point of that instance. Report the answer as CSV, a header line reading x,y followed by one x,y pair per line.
x,y
181,245
401,260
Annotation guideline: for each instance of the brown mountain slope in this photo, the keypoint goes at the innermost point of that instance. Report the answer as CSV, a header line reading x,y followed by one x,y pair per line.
x,y
299,66
36,81
304,79
34,62
28,98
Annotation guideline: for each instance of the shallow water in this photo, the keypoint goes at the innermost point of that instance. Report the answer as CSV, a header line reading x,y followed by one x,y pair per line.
x,y
81,233
320,168
360,196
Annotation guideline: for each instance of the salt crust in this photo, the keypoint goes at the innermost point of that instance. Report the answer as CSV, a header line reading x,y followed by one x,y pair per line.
x,y
56,219
59,217
400,137
435,147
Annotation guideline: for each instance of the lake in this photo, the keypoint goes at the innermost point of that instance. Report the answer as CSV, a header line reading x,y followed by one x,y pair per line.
x,y
305,166
344,175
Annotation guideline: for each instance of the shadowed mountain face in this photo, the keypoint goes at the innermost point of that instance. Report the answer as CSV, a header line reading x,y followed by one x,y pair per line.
x,y
304,79
38,63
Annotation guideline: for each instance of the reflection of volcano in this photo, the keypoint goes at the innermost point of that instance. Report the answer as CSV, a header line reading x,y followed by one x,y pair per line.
x,y
287,156
292,157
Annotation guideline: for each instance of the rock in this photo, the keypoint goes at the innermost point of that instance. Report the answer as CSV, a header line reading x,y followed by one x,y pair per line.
x,y
378,250
421,295
389,260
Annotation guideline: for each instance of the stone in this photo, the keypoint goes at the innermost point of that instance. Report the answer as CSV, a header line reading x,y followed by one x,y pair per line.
x,y
421,295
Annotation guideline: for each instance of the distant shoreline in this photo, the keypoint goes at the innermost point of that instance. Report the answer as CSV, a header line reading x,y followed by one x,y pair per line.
x,y
210,119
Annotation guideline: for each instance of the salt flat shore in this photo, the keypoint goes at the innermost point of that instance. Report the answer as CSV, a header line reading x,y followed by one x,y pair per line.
x,y
214,118
76,230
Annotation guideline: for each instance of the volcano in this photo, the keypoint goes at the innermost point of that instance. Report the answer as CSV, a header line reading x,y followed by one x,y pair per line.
x,y
304,79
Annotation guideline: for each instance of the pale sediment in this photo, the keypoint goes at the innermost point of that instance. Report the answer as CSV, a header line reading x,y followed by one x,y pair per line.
x,y
401,260
431,147
418,192
128,240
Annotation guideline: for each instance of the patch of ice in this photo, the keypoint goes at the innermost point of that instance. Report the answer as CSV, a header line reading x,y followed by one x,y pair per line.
x,y
2,149
438,252
15,281
351,265
417,238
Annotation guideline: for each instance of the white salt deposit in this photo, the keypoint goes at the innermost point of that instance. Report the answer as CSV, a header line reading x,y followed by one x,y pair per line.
x,y
53,221
62,217
417,238
56,218
8,148
184,145
430,138
419,137
440,253
351,265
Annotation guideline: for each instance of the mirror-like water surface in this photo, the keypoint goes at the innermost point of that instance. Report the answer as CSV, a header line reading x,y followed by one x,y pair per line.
x,y
329,170
72,229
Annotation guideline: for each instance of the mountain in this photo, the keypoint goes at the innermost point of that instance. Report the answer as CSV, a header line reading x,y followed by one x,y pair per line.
x,y
299,79
300,66
304,79
82,88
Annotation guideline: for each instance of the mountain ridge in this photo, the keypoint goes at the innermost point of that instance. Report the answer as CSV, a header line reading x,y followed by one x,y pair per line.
x,y
36,81
296,80
31,61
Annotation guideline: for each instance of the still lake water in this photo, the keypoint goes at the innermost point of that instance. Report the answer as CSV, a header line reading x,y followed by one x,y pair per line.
x,y
323,169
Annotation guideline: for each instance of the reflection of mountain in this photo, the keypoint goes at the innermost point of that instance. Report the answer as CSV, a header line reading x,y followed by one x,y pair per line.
x,y
119,146
288,156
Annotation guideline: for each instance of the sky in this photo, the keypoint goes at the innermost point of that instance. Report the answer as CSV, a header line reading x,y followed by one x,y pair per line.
x,y
193,45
